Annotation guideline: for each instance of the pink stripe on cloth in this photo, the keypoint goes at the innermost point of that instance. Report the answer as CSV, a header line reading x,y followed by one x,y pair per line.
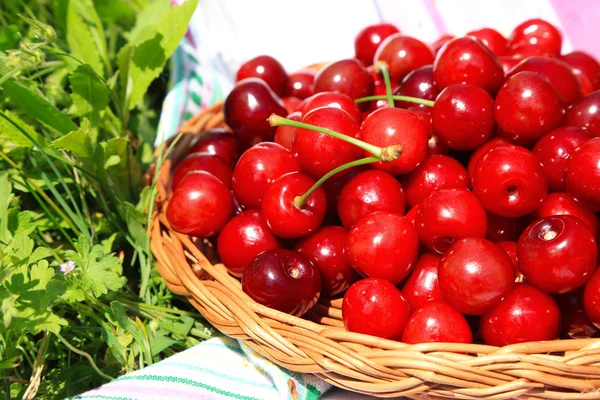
x,y
148,390
580,19
435,16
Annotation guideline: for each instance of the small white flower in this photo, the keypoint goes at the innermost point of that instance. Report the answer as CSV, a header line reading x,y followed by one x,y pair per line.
x,y
67,267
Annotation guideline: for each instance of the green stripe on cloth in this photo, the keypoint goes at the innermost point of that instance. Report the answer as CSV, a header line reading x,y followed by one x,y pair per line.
x,y
100,396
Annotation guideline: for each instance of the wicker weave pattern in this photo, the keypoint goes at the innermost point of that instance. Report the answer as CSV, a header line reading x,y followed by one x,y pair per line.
x,y
562,369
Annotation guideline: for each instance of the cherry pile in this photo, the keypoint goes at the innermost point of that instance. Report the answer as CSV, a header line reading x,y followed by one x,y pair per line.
x,y
449,192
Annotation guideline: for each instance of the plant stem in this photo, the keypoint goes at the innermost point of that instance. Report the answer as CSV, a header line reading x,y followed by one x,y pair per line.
x,y
383,68
84,354
409,99
10,74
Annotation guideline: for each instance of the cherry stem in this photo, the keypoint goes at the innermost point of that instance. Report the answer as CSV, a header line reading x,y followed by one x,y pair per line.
x,y
382,68
299,201
408,99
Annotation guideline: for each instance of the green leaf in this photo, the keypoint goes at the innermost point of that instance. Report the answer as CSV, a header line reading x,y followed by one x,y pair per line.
x,y
77,142
9,37
147,20
117,164
160,343
89,92
72,295
6,197
85,35
15,136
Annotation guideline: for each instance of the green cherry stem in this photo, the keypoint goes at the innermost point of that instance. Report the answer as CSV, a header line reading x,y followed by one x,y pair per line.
x,y
409,99
300,200
382,68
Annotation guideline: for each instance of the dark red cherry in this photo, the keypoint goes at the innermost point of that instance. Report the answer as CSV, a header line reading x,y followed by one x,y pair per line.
x,y
284,134
257,168
243,238
268,69
447,215
527,107
318,153
463,116
301,84
434,144
345,76
403,54
379,90
467,60
220,142
536,32
437,321
368,40
440,42
284,280
586,113
481,150
332,99
283,216
554,149
565,204
383,245
582,175
475,275
436,172
501,228
325,249
418,83
394,126
422,284
210,163
492,39
585,65
200,206
575,322
375,307
247,108
509,181
525,315
291,104
510,247
557,254
591,299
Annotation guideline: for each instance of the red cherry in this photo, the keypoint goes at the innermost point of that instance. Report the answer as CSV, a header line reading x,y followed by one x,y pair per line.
x,y
442,40
379,90
325,249
585,65
345,76
467,60
528,50
332,99
368,40
200,206
586,85
220,142
554,149
509,181
448,215
283,216
301,84
434,144
575,322
591,299
383,245
557,254
332,152
436,172
210,163
565,204
525,315
256,168
284,134
536,32
508,63
463,116
492,39
586,113
291,103
437,321
475,275
422,284
375,307
582,175
510,247
479,152
394,126
527,107
266,68
283,280
367,192
418,83
411,215
501,228
243,238
247,108
403,54
334,185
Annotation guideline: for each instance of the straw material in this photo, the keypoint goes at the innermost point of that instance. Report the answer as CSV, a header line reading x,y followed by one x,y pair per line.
x,y
319,344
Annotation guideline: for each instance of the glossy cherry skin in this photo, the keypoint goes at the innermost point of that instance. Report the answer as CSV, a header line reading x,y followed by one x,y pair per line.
x,y
422,285
383,245
467,60
536,32
575,322
284,134
257,168
434,144
492,39
557,72
345,76
582,175
557,254
481,150
510,247
509,181
375,307
332,152
463,116
220,142
508,63
247,108
591,299
403,54
325,249
266,68
394,126
435,172
418,83
525,315
379,90
586,113
367,192
526,51
332,99
447,215
554,149
585,65
333,186
283,217
291,103
437,321
527,107
440,42
502,229
284,280
301,84
200,206
565,204
368,40
474,275
243,238
210,163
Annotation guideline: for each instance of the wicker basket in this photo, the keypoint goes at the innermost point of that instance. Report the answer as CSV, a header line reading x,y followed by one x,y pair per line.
x,y
562,369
